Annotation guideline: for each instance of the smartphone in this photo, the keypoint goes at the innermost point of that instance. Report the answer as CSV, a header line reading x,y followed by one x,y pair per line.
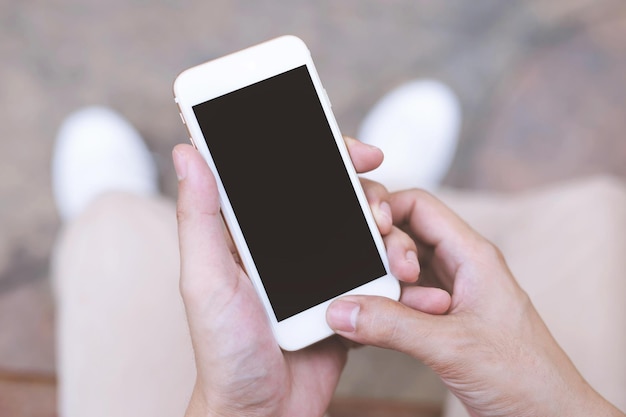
x,y
289,194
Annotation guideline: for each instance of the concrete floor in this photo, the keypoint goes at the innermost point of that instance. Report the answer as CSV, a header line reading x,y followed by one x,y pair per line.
x,y
541,84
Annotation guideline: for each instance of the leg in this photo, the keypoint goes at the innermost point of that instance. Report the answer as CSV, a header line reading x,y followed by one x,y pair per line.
x,y
123,343
565,245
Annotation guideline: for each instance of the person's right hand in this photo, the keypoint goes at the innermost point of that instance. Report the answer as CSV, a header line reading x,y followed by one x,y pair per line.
x,y
492,349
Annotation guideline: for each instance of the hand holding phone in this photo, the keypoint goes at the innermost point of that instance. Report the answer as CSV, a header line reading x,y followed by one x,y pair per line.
x,y
288,192
241,370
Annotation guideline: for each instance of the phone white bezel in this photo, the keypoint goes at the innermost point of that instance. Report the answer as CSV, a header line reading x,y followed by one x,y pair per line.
x,y
235,71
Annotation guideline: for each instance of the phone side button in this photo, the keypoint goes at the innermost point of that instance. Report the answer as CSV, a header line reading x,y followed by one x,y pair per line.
x,y
193,143
182,118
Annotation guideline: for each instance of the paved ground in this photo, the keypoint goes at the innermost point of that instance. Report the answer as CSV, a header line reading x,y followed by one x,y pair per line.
x,y
541,83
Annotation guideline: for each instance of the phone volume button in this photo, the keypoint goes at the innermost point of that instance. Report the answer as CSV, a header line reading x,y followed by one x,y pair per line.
x,y
182,118
193,143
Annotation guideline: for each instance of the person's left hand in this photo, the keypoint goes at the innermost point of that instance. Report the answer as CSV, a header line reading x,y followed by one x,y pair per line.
x,y
241,371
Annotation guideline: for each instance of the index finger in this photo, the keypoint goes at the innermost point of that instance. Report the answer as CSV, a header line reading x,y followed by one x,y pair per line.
x,y
364,157
433,224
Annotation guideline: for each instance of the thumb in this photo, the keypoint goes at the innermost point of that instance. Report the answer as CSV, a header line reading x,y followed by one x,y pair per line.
x,y
207,265
385,323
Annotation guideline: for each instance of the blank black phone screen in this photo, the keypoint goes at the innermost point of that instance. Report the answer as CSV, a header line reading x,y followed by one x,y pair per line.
x,y
290,191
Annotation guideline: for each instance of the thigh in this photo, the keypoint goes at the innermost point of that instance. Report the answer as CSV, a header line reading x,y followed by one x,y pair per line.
x,y
123,346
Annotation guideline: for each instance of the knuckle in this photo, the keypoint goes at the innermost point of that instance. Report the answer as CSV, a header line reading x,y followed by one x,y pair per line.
x,y
421,194
489,252
383,325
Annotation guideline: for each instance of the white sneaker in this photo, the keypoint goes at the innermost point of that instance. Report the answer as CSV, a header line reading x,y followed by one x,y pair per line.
x,y
417,127
96,151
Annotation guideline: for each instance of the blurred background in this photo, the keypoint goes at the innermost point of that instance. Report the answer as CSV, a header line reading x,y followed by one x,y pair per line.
x,y
542,86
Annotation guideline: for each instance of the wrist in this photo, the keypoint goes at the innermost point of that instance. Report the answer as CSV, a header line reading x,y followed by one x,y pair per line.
x,y
578,399
592,403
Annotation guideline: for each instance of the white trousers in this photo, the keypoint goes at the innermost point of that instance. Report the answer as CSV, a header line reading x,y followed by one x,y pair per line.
x,y
123,345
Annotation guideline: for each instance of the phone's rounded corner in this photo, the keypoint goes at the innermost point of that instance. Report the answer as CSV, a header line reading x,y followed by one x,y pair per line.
x,y
397,288
177,82
289,344
295,40
390,287
304,329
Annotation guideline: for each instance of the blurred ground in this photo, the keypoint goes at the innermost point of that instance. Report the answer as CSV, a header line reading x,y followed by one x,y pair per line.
x,y
542,87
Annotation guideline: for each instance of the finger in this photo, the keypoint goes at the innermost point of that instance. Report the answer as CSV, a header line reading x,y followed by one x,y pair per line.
x,y
364,157
206,260
382,322
433,224
426,300
377,197
402,255
432,273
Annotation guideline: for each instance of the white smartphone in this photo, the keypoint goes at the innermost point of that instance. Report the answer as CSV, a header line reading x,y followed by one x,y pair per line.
x,y
289,193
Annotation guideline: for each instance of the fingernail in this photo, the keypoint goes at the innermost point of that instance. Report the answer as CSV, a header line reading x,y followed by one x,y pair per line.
x,y
372,147
180,164
411,257
342,315
385,209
